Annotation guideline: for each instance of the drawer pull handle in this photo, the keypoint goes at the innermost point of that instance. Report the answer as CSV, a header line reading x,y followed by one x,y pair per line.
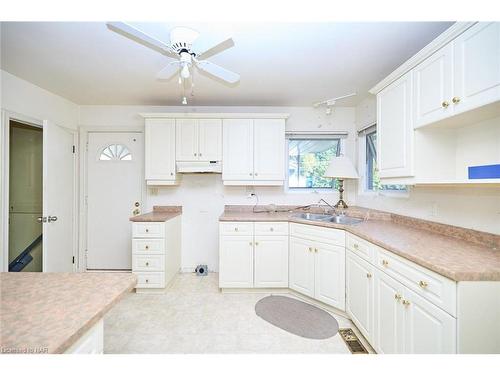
x,y
397,297
369,275
423,284
385,263
356,246
406,302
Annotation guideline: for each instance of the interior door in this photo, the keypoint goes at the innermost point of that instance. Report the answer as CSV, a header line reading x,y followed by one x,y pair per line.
x,y
433,85
271,261
301,266
58,231
186,140
269,149
114,192
237,149
329,274
210,137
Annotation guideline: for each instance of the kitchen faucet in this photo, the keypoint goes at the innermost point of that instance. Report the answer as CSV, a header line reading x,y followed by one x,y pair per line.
x,y
328,204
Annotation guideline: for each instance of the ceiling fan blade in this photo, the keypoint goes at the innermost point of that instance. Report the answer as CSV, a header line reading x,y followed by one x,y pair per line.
x,y
218,71
169,71
205,46
138,36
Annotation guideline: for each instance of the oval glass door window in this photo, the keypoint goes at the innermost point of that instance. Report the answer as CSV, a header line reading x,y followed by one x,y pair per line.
x,y
115,152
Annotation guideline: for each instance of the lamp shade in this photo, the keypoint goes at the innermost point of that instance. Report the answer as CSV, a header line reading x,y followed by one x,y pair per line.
x,y
341,167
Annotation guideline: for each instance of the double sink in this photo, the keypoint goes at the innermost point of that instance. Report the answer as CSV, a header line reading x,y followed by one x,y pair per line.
x,y
337,219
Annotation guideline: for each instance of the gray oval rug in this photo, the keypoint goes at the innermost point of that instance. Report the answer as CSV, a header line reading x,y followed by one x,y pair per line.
x,y
297,317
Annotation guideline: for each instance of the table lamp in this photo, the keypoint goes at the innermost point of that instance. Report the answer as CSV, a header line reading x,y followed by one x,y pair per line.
x,y
341,168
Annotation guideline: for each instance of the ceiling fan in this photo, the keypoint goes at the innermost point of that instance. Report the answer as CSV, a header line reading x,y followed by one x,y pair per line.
x,y
187,47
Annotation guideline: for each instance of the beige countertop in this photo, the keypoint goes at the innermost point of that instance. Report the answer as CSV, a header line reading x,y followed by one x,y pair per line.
x,y
447,255
159,213
48,312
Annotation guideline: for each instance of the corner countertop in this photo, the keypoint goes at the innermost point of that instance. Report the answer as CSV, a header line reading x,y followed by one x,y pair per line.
x,y
159,213
449,251
48,312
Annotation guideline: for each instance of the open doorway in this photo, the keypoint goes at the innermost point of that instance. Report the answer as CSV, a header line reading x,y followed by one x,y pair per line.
x,y
25,197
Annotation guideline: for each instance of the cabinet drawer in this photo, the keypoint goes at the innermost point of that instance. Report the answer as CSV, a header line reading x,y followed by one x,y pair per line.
x,y
148,246
236,228
153,230
150,279
271,229
437,289
148,262
360,247
331,236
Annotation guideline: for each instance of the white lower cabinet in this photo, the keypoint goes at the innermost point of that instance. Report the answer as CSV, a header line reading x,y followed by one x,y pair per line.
x,y
359,293
329,274
301,266
248,260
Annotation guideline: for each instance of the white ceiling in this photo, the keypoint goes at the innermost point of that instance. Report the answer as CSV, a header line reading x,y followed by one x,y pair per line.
x,y
280,64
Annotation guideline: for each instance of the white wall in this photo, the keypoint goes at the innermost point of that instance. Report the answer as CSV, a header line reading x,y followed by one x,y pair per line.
x,y
203,196
20,96
467,206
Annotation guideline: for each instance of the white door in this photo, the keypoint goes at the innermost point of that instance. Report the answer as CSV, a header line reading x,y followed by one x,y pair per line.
x,y
271,261
237,150
477,66
210,139
236,262
159,143
269,150
359,298
388,334
186,135
301,276
428,329
329,274
114,192
394,129
58,230
433,87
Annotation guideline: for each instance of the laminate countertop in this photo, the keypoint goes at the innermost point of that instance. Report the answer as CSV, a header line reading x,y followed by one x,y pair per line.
x,y
455,253
48,312
159,214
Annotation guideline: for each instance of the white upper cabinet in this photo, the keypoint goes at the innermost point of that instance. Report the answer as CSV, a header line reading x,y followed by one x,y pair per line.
x,y
477,67
253,151
160,152
237,149
433,87
394,129
269,150
198,140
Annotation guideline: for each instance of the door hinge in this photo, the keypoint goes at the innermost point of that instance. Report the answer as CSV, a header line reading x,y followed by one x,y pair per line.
x,y
73,260
74,149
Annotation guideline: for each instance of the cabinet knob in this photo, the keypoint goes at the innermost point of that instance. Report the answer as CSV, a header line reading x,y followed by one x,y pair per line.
x,y
147,264
250,243
423,284
147,230
235,229
250,174
195,154
356,246
199,154
369,275
455,100
397,297
147,247
256,244
315,250
445,104
171,173
271,229
255,174
310,249
147,281
406,302
385,263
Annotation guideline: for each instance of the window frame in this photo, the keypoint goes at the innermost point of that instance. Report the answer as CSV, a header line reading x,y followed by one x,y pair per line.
x,y
314,190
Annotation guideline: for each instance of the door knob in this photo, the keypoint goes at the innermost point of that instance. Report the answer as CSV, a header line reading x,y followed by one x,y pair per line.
x,y
50,219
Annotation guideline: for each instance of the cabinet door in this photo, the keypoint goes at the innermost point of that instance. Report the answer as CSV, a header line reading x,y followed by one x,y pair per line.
x,y
388,336
236,262
329,274
477,66
186,134
301,266
210,140
394,129
271,261
237,150
159,145
433,87
428,329
269,149
359,296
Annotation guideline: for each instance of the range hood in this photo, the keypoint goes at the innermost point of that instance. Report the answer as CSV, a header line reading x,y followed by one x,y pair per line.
x,y
199,167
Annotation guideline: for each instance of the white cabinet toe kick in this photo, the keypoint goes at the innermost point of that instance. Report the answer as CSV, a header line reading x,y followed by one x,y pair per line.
x,y
398,306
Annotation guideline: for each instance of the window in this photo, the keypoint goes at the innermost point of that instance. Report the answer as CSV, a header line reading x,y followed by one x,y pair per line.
x,y
308,160
372,179
115,152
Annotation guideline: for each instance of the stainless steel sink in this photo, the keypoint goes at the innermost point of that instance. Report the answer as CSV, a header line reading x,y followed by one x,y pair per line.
x,y
313,217
346,220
